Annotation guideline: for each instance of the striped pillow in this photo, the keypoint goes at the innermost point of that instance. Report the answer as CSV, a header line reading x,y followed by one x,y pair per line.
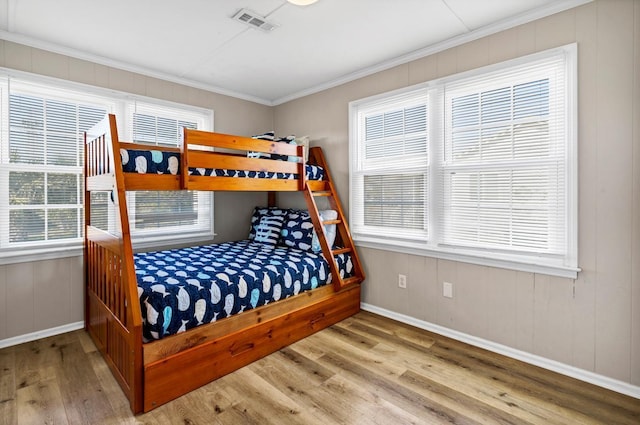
x,y
260,212
268,230
270,136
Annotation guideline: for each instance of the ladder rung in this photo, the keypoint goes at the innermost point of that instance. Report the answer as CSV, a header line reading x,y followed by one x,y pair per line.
x,y
350,280
332,221
322,193
340,251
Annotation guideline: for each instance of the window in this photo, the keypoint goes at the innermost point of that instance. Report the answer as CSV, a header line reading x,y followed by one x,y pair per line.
x,y
44,169
389,183
182,212
477,167
41,157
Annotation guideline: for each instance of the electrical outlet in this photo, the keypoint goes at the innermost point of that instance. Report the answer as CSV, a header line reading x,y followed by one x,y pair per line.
x,y
402,281
447,290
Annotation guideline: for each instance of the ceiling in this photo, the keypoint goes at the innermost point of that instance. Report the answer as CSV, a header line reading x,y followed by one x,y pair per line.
x,y
195,42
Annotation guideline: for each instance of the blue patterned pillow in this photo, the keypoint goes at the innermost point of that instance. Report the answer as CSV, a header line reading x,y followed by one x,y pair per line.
x,y
289,140
297,231
315,172
260,212
270,136
269,228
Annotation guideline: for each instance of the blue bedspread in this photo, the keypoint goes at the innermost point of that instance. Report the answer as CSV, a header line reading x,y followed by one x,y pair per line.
x,y
161,162
182,288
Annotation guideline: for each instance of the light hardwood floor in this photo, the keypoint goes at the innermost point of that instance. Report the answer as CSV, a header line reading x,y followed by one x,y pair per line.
x,y
364,370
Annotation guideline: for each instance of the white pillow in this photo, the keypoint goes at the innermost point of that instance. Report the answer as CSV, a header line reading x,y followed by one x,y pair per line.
x,y
329,230
304,142
269,136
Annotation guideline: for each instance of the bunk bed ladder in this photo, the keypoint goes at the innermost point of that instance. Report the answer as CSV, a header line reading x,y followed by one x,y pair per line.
x,y
344,242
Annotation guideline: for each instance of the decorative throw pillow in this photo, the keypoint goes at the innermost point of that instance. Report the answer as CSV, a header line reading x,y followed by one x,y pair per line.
x,y
268,230
260,212
270,136
329,230
314,172
293,140
289,140
297,230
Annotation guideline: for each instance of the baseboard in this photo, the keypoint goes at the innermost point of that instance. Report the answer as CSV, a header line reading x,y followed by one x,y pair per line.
x,y
21,339
555,366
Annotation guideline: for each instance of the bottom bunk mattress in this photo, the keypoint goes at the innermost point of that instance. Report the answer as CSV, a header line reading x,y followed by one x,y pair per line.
x,y
182,288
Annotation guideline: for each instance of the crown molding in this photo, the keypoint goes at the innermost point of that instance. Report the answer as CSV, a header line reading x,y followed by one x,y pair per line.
x,y
523,18
112,63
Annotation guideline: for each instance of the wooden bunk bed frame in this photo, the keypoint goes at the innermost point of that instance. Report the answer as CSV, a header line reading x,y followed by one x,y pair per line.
x,y
154,373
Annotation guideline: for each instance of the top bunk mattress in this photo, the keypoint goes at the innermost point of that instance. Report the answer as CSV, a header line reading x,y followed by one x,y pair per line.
x,y
182,288
162,162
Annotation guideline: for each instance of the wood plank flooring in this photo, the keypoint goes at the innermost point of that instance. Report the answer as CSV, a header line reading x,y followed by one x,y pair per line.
x,y
364,370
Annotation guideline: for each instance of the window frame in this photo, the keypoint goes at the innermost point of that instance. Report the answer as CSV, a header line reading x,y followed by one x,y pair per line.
x,y
564,266
360,167
114,102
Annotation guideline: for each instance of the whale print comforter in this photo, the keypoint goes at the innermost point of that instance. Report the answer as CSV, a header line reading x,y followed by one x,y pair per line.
x,y
182,288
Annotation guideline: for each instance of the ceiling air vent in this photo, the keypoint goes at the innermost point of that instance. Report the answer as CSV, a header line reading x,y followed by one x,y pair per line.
x,y
251,18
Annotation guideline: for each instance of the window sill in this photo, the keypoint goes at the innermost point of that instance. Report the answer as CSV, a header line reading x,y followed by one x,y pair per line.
x,y
160,243
40,254
504,262
76,250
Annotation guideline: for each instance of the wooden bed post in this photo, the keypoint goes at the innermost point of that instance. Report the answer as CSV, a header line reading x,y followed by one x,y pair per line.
x,y
113,316
87,222
302,168
134,315
272,199
184,167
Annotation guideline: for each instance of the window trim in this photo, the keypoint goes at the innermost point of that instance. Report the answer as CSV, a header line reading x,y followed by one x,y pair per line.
x,y
535,263
118,102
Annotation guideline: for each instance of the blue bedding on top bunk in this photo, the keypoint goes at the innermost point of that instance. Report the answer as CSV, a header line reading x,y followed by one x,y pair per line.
x,y
183,288
161,162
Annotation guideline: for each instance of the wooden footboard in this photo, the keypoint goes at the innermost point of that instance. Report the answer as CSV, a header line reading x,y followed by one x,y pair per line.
x,y
112,312
108,319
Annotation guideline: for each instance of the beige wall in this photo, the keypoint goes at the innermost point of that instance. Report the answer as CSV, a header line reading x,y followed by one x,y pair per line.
x,y
592,323
41,295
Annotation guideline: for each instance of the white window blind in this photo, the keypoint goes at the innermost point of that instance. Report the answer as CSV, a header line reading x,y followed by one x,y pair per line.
x,y
171,211
390,173
478,167
41,175
504,170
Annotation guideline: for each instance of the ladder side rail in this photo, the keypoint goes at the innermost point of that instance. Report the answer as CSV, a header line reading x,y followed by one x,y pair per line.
x,y
316,156
322,238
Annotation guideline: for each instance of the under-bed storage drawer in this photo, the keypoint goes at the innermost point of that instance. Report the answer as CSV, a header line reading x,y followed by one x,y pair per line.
x,y
204,363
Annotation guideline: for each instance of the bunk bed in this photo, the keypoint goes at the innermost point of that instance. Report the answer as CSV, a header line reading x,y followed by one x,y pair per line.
x,y
154,368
